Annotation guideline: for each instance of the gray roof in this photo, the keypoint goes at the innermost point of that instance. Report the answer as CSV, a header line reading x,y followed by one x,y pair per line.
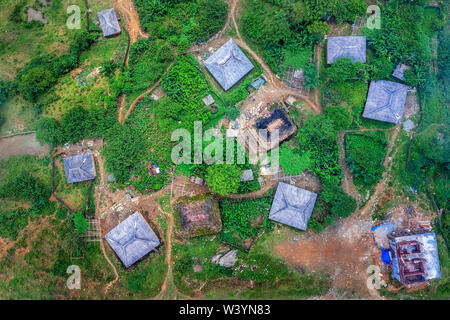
x,y
132,239
428,254
208,100
292,206
399,71
79,168
228,64
108,22
247,175
353,47
385,101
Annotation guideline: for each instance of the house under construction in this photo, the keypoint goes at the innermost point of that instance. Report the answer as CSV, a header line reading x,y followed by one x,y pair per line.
x,y
414,256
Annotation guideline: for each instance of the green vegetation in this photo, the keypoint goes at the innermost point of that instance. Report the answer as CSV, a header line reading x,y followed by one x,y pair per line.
x,y
182,22
283,30
242,219
223,178
365,154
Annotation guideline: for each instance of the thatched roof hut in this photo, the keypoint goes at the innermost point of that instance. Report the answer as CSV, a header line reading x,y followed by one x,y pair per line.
x,y
199,215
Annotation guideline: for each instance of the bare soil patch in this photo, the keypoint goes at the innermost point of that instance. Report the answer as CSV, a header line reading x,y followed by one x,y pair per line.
x,y
22,145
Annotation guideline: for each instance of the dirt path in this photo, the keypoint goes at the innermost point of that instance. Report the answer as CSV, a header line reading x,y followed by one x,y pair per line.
x,y
387,163
99,191
133,27
318,55
273,82
168,253
131,17
148,91
344,250
347,180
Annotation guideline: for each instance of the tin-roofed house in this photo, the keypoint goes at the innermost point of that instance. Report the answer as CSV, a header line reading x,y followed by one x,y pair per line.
x,y
109,23
132,239
228,64
385,101
79,168
353,47
415,256
292,206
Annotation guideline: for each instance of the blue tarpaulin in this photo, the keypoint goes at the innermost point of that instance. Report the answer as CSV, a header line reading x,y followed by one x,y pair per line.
x,y
385,257
258,82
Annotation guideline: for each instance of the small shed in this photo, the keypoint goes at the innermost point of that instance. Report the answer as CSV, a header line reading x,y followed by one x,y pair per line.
x,y
247,175
292,206
228,64
353,47
109,23
132,239
208,100
415,256
385,101
79,168
399,71
258,82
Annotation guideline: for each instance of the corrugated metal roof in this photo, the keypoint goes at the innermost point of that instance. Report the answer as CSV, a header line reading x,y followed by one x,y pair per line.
x,y
132,239
353,47
247,175
108,22
429,254
79,168
399,71
385,101
292,206
228,64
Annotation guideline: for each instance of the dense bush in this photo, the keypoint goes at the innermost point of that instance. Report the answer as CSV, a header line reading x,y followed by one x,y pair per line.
x,y
294,161
12,222
41,73
25,187
238,216
365,153
182,22
223,178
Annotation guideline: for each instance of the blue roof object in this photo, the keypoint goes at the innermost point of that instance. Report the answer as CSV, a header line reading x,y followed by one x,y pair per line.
x,y
108,22
292,206
353,47
79,168
427,254
228,64
385,101
385,257
132,239
258,82
399,71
